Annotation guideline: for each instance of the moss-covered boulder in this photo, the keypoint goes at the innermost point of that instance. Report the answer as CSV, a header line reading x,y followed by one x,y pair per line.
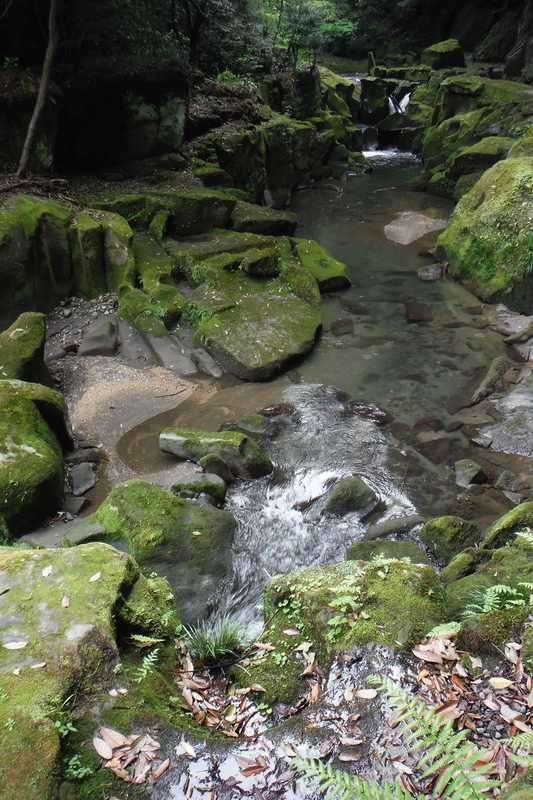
x,y
464,563
336,607
388,549
22,349
351,494
489,632
60,612
444,54
502,531
178,213
261,335
447,536
49,402
489,241
523,148
240,453
507,565
188,543
253,218
31,465
478,157
330,274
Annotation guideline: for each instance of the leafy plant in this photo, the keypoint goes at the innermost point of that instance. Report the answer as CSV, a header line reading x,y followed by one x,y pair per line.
x,y
146,666
75,770
526,536
444,755
9,62
210,643
499,597
446,627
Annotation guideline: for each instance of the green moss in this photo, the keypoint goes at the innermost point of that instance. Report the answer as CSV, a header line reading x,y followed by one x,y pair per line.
x,y
86,237
260,219
447,536
488,633
502,531
523,148
488,241
480,155
49,402
387,548
507,565
330,274
463,564
22,349
145,517
444,54
150,607
243,456
350,494
31,465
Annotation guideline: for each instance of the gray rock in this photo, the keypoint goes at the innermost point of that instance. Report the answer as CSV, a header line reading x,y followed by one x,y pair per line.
x,y
351,494
432,272
513,433
76,532
73,505
84,455
206,363
492,381
171,355
100,338
394,525
82,478
468,472
200,483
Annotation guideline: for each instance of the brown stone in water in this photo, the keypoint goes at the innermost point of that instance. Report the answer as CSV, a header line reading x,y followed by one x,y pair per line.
x,y
428,424
342,327
417,312
438,452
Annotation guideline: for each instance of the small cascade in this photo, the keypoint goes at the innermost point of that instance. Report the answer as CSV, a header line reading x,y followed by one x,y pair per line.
x,y
405,102
394,108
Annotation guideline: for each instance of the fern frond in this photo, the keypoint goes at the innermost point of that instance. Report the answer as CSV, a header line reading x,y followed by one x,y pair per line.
x,y
520,749
147,666
340,785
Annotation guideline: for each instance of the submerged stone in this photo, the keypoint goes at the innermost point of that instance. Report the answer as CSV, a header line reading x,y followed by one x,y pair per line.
x,y
468,472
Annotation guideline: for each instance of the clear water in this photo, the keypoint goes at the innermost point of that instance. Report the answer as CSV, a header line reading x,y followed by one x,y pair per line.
x,y
413,371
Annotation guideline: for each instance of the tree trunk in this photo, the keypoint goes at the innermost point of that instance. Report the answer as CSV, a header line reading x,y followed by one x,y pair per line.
x,y
42,94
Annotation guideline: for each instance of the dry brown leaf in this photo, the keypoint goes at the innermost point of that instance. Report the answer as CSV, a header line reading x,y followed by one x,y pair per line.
x,y
401,767
427,655
102,748
162,768
500,683
314,693
366,694
256,687
349,756
114,738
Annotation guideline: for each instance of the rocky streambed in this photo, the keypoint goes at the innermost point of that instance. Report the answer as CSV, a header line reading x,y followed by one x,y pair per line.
x,y
413,405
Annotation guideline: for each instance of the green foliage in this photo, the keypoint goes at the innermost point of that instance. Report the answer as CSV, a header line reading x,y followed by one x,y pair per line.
x,y
147,666
75,770
211,643
194,316
9,62
448,757
500,596
525,536
446,627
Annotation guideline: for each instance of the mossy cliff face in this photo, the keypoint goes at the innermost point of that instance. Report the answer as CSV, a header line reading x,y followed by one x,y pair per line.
x,y
474,123
50,250
444,54
489,241
341,605
62,607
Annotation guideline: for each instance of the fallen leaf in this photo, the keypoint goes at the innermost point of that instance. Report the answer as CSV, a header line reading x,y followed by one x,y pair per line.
x,y
349,693
41,665
427,655
256,687
314,693
113,738
15,645
291,632
95,577
500,683
162,768
185,749
47,571
401,767
65,602
304,647
197,533
347,756
366,694
102,748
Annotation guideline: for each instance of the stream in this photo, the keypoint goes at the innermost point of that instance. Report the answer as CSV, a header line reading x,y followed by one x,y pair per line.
x,y
415,372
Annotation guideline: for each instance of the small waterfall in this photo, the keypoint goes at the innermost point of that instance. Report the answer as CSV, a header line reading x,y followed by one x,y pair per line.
x,y
405,102
396,107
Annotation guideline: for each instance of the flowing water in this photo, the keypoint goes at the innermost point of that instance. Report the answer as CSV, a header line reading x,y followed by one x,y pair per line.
x,y
413,371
